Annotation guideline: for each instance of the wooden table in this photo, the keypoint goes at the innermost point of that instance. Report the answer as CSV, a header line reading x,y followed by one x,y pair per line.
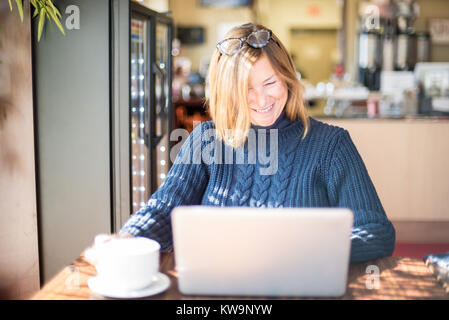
x,y
399,278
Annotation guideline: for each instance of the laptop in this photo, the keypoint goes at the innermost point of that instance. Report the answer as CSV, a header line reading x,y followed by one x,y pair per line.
x,y
271,252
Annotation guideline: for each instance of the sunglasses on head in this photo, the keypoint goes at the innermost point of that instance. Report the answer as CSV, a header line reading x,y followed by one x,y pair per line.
x,y
256,39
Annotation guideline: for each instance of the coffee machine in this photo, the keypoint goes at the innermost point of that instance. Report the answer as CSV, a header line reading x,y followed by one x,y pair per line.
x,y
370,58
387,39
405,57
376,42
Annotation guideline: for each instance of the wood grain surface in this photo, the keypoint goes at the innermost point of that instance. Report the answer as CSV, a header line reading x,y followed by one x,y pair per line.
x,y
399,278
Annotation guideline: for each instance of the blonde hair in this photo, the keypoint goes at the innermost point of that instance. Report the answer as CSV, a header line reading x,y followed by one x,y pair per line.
x,y
228,79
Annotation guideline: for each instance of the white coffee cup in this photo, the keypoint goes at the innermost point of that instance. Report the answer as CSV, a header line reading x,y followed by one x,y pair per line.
x,y
127,263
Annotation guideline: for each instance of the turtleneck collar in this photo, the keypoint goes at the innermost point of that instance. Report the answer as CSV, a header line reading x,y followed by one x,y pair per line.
x,y
281,122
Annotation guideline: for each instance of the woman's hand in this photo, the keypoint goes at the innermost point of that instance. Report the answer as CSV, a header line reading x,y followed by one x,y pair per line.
x,y
90,253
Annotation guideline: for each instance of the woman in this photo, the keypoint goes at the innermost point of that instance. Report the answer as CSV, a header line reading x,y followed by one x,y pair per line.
x,y
253,86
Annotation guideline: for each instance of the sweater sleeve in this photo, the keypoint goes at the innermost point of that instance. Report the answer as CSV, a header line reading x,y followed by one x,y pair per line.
x,y
184,185
350,186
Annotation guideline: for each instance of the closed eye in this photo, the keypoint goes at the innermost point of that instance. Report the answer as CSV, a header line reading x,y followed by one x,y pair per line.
x,y
270,83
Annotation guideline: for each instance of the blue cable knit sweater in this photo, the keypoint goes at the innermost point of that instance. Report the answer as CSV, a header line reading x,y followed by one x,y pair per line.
x,y
322,170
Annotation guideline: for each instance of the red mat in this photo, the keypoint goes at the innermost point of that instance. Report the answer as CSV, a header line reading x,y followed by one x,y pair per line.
x,y
419,250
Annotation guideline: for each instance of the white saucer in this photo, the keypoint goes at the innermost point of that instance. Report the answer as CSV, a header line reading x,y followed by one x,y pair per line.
x,y
160,284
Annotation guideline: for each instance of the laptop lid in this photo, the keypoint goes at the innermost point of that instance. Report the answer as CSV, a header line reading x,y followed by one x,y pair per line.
x,y
243,251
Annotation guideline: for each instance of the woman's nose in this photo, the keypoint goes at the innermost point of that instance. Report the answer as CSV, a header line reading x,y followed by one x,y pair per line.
x,y
258,98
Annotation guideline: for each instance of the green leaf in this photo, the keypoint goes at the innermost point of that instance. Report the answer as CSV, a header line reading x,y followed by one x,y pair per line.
x,y
36,12
35,5
49,19
45,9
55,10
55,19
20,7
40,25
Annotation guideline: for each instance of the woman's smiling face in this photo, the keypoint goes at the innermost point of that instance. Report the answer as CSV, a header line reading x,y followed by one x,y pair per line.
x,y
267,93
